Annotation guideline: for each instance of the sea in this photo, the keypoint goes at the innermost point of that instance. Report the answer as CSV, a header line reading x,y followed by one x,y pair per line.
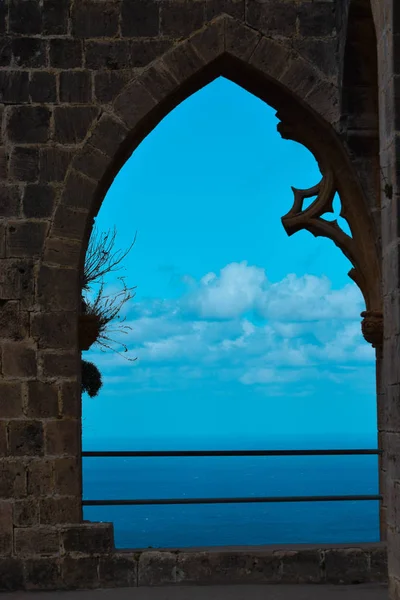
x,y
237,524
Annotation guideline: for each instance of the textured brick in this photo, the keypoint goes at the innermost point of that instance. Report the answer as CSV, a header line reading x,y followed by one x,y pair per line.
x,y
40,477
69,223
26,512
140,18
71,123
10,200
14,87
38,201
180,19
79,191
26,438
80,572
118,571
11,574
19,360
29,52
66,53
42,400
57,288
60,510
54,330
60,365
43,87
6,528
55,17
54,163
62,437
37,540
66,476
96,538
25,238
43,574
11,399
25,16
76,86
14,322
12,479
24,164
108,84
95,19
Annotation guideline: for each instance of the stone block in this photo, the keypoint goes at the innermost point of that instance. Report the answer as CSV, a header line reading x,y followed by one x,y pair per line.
x,y
63,509
24,163
88,538
11,574
158,80
319,21
57,365
234,8
183,61
108,84
65,253
62,437
56,288
79,190
12,479
10,200
80,572
301,567
72,123
240,40
69,223
17,281
55,17
14,87
43,574
19,359
26,438
43,87
228,567
38,201
95,19
210,41
40,477
378,571
42,400
157,568
6,528
66,53
67,476
54,163
26,512
133,104
118,570
321,53
71,396
25,239
91,162
29,52
25,17
30,541
180,19
108,137
14,322
346,566
115,54
54,330
140,18
76,87
281,20
11,398
5,52
272,58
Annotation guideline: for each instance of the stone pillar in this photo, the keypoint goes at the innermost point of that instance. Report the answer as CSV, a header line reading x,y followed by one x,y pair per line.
x,y
372,329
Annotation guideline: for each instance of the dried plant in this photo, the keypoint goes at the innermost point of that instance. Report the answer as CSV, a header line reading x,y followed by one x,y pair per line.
x,y
106,307
101,258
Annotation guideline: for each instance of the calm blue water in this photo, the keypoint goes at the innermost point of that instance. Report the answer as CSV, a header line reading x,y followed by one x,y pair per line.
x,y
235,524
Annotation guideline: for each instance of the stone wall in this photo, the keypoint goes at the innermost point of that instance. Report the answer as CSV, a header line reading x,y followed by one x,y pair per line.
x,y
81,84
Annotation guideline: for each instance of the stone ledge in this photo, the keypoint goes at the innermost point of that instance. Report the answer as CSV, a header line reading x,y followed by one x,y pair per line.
x,y
335,564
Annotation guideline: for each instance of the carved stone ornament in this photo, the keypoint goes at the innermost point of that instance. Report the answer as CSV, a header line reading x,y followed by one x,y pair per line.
x,y
372,327
360,249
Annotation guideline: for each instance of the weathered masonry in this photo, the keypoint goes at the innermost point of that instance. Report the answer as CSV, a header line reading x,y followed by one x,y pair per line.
x,y
82,82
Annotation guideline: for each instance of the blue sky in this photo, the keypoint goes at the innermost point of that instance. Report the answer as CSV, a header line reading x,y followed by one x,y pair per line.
x,y
244,336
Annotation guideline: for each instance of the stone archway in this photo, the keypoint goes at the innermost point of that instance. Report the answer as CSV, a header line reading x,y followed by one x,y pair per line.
x,y
307,101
